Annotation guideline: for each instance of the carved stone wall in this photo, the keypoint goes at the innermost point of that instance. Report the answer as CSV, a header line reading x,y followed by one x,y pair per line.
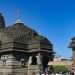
x,y
10,65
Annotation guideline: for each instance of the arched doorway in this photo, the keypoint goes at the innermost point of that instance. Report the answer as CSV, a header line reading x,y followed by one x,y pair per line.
x,y
34,60
45,62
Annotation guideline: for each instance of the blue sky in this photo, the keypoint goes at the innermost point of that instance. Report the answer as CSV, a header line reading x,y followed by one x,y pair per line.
x,y
54,19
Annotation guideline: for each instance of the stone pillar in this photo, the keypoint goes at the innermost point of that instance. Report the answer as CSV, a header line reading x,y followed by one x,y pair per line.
x,y
34,68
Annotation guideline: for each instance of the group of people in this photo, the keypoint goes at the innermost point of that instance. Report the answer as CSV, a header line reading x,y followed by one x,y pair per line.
x,y
44,73
48,71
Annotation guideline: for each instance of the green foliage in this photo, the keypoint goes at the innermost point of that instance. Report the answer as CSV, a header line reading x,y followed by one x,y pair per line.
x,y
59,69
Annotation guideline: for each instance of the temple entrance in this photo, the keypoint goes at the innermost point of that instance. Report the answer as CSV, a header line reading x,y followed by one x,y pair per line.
x,y
34,60
45,62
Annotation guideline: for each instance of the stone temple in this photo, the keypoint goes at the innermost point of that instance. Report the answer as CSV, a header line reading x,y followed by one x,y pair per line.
x,y
22,49
72,45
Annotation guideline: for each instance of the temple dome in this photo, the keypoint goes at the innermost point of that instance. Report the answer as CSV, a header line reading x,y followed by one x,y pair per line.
x,y
22,38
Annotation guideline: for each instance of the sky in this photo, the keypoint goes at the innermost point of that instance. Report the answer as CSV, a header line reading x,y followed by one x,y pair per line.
x,y
54,19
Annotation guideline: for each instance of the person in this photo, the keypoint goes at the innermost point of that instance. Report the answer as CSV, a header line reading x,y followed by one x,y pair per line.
x,y
46,73
72,73
33,73
42,74
38,74
56,74
52,74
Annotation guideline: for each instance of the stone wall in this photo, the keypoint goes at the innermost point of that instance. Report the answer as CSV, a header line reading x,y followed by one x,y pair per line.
x,y
10,66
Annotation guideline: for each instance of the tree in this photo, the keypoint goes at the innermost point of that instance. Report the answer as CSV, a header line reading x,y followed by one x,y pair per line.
x,y
58,69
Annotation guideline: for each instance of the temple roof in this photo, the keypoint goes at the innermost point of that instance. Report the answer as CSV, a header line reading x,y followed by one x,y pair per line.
x,y
73,38
72,43
41,39
15,30
20,37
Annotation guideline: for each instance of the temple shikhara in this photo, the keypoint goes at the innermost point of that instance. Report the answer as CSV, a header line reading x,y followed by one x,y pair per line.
x,y
22,49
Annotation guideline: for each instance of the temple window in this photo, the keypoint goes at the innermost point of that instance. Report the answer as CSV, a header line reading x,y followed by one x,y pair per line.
x,y
22,63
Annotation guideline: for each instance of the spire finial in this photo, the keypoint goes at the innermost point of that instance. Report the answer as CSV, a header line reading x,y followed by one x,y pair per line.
x,y
18,12
18,20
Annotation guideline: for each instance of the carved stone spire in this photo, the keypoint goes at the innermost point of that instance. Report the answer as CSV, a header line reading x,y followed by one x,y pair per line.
x,y
18,20
2,21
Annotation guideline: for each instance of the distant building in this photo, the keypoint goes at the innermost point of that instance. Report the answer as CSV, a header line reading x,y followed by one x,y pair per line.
x,y
57,57
57,60
22,49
